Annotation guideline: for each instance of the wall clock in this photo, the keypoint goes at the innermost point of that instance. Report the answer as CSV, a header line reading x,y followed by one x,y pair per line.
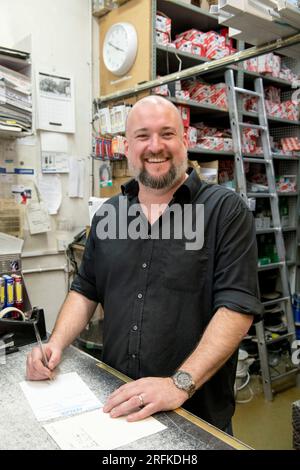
x,y
120,48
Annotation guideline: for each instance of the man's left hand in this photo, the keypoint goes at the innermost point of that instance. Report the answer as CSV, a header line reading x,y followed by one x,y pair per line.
x,y
144,397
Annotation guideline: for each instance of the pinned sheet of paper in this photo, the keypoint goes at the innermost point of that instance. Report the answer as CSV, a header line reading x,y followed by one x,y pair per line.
x,y
97,430
50,190
76,177
38,218
54,152
66,395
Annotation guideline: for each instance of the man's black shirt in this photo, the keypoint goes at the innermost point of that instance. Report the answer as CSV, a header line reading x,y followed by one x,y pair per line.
x,y
158,297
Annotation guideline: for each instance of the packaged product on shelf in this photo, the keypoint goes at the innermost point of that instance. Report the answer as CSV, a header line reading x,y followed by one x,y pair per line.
x,y
273,93
284,211
162,38
188,46
290,110
217,52
105,122
226,173
286,183
163,23
193,35
218,95
211,38
264,63
191,134
199,92
162,90
185,114
250,64
118,115
290,144
182,94
276,65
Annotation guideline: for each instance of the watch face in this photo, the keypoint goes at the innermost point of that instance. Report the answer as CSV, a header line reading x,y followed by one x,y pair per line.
x,y
120,48
184,379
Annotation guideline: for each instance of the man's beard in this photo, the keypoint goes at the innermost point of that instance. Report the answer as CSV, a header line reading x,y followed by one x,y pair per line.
x,y
165,181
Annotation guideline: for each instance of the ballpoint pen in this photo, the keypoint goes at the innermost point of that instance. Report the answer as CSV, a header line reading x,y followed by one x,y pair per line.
x,y
38,338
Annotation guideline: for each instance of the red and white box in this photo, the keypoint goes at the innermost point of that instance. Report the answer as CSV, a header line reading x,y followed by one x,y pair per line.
x,y
212,38
189,46
182,94
193,35
217,52
199,92
218,95
290,144
185,115
250,64
162,38
273,93
191,135
276,65
163,23
291,110
265,63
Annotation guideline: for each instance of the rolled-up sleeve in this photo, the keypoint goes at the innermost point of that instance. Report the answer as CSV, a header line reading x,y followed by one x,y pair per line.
x,y
85,280
235,280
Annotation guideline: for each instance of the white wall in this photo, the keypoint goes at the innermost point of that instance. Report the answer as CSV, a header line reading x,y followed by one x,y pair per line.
x,y
59,33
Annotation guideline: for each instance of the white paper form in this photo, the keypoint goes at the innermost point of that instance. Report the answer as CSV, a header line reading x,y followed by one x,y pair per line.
x,y
54,152
97,430
76,177
67,394
38,218
50,189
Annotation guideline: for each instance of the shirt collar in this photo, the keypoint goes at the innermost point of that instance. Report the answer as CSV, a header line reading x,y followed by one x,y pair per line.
x,y
184,194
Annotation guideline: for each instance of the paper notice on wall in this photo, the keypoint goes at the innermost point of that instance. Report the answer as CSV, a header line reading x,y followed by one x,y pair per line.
x,y
38,218
76,177
55,103
54,152
50,190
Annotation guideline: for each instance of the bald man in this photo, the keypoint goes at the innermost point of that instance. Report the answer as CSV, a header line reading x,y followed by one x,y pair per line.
x,y
173,317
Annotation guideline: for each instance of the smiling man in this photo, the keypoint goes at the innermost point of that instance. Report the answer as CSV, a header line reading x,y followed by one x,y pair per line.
x,y
173,318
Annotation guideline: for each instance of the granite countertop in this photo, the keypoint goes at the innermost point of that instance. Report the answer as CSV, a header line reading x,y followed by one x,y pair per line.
x,y
19,428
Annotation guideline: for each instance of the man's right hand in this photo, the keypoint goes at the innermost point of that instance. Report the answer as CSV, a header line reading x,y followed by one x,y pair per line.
x,y
35,368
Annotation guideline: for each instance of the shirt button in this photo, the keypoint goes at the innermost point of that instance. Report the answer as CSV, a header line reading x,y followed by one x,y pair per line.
x,y
133,356
135,327
144,265
140,296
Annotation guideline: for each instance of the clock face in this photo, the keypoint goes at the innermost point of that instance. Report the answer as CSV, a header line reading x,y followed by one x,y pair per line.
x,y
120,48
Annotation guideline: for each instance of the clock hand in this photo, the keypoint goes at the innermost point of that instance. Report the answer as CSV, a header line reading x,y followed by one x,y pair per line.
x,y
116,47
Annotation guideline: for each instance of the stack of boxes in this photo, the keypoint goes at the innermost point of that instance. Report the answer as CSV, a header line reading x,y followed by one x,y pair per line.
x,y
163,26
287,109
204,44
270,64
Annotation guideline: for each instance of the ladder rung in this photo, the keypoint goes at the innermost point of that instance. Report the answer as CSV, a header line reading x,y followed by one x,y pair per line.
x,y
252,126
285,374
280,338
274,302
247,92
256,160
267,230
261,194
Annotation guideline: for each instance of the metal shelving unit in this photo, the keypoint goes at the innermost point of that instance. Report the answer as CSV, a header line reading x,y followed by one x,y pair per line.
x,y
172,65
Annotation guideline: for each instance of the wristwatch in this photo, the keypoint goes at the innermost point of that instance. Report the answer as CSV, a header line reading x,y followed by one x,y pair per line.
x,y
184,381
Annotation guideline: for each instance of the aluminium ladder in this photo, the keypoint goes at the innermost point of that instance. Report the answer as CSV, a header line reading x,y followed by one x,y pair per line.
x,y
237,123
